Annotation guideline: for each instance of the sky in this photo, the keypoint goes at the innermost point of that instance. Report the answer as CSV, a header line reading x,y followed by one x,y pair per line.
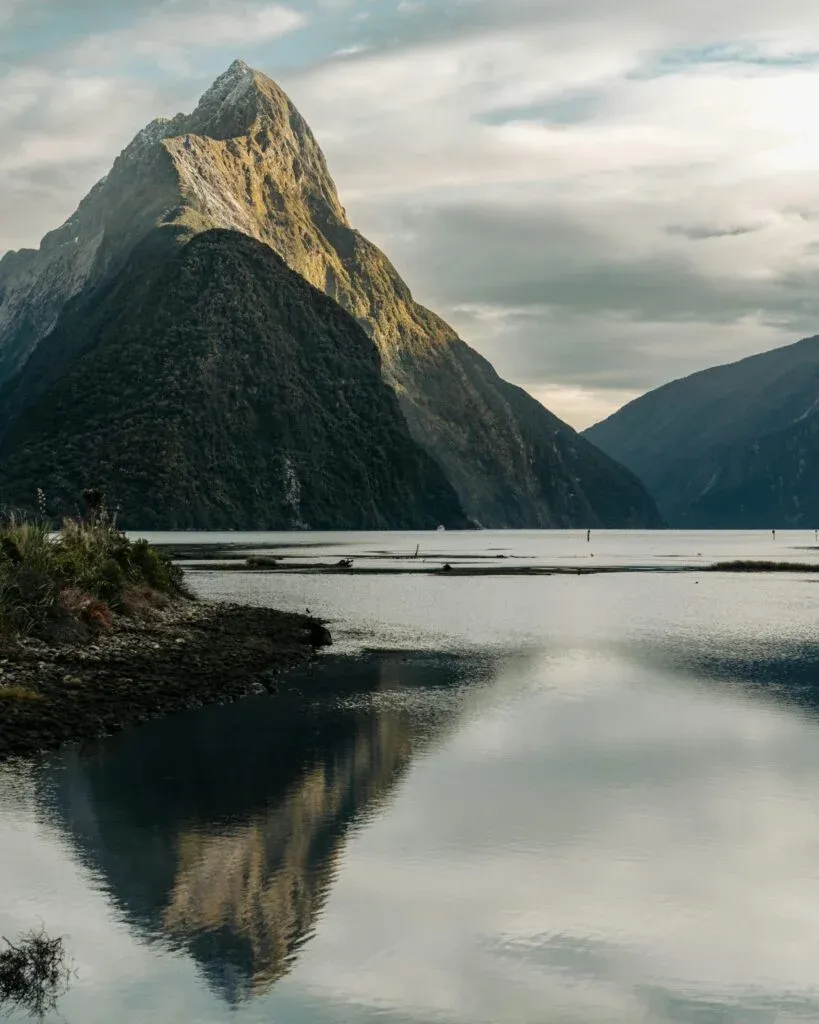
x,y
600,197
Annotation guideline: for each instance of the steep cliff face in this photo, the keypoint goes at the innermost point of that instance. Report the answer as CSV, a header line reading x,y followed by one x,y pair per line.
x,y
138,193
246,160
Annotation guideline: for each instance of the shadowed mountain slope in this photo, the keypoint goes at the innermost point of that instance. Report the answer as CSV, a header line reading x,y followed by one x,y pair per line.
x,y
211,385
735,446
246,160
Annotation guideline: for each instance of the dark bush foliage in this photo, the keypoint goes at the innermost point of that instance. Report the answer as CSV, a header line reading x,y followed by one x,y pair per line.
x,y
89,556
34,973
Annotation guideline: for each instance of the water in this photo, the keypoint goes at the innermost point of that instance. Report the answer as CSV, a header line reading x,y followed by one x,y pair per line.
x,y
563,548
547,800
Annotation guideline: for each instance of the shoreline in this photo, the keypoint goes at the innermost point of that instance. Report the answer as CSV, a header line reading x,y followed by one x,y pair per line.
x,y
192,653
195,652
333,569
265,559
453,569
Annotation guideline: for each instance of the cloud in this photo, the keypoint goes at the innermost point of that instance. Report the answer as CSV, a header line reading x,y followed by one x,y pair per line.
x,y
701,232
631,184
173,33
7,9
60,132
349,51
563,304
585,196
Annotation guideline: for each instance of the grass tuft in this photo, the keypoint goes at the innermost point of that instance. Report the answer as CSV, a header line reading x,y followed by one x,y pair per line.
x,y
85,571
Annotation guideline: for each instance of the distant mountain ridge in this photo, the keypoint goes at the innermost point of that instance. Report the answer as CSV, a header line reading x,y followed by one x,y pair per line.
x,y
734,446
246,161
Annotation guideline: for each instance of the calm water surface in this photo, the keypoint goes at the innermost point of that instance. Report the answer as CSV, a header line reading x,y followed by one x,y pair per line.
x,y
545,800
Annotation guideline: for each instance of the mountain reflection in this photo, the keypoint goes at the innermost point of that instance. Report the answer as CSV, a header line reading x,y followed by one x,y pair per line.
x,y
247,897
220,832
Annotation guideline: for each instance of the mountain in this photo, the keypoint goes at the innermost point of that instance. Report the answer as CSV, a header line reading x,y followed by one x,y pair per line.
x,y
246,161
250,398
735,446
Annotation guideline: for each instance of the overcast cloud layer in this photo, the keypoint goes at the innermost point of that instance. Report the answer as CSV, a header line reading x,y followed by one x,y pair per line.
x,y
599,196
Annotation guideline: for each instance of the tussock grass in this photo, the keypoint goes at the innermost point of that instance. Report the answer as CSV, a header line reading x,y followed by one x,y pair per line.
x,y
84,571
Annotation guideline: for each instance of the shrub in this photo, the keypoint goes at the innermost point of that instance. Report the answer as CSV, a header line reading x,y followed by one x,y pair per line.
x,y
155,569
34,973
104,579
28,586
89,559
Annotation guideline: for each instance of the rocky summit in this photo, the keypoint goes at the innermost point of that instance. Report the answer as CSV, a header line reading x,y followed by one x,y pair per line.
x,y
245,161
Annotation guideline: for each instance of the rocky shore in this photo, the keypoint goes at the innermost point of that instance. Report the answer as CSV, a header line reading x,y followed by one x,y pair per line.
x,y
186,655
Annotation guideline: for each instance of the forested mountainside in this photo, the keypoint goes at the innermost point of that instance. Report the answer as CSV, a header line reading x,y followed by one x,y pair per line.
x,y
209,384
245,160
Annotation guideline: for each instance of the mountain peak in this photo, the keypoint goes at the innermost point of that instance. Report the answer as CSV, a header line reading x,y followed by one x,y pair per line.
x,y
229,106
239,67
238,74
245,160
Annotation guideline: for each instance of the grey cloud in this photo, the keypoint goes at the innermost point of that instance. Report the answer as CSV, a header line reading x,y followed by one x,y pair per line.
x,y
549,347
34,203
572,107
79,10
570,302
702,232
40,30
655,288
676,60
7,9
805,213
519,257
566,307
56,146
442,21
